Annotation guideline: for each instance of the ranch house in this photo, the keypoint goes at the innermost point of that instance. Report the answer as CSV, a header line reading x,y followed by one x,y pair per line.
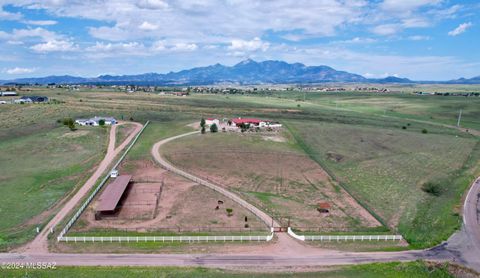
x,y
95,121
211,121
255,122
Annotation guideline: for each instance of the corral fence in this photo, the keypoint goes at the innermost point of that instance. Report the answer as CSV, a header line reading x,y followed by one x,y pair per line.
x,y
183,229
190,239
342,238
98,188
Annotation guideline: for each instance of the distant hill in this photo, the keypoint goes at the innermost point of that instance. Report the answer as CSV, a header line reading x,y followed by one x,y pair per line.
x,y
243,73
474,80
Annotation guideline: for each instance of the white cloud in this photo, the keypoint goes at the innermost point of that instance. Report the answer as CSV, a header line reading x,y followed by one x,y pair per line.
x,y
18,70
101,49
4,15
146,26
460,29
252,45
407,5
184,47
386,29
40,22
379,75
419,38
152,4
54,46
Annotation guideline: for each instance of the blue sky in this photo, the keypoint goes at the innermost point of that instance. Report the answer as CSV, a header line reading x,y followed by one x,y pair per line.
x,y
418,39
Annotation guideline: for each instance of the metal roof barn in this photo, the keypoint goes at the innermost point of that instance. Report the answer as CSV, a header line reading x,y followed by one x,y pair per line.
x,y
110,197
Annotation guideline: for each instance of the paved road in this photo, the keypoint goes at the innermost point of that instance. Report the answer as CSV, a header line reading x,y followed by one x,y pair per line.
x,y
466,242
40,243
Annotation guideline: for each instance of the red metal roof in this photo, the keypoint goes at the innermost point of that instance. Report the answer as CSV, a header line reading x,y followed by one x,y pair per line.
x,y
247,121
110,197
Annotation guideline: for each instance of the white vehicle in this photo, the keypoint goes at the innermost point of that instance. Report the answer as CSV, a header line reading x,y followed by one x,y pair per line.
x,y
3,102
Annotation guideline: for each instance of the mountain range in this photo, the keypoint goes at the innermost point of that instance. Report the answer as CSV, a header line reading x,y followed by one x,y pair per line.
x,y
243,73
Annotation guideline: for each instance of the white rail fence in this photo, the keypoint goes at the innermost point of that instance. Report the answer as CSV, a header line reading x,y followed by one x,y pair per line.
x,y
98,188
190,239
341,238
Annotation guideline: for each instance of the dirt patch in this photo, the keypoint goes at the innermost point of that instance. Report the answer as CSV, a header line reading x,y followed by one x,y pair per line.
x,y
286,184
75,134
275,138
335,156
160,201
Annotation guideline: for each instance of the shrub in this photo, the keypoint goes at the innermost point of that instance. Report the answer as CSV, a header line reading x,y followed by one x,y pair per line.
x,y
432,189
229,211
213,128
404,127
202,122
101,122
424,131
68,121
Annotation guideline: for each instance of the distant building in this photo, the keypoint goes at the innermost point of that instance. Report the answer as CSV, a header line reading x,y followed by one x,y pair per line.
x,y
95,121
32,99
8,94
255,122
211,121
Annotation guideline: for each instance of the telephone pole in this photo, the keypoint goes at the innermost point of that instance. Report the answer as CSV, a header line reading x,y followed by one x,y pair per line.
x,y
459,118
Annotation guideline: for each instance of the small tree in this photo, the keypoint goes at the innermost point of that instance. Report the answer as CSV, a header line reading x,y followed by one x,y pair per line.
x,y
432,189
101,122
424,131
213,128
229,212
71,126
202,122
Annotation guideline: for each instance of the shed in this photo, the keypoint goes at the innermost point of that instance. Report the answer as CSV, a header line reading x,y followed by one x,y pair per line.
x,y
107,202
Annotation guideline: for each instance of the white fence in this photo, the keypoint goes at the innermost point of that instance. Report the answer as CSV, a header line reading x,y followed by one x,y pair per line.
x,y
354,238
90,198
339,238
190,239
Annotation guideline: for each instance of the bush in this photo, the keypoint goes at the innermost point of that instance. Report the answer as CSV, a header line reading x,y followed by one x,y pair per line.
x,y
213,128
68,121
432,189
424,131
404,127
101,122
229,211
202,122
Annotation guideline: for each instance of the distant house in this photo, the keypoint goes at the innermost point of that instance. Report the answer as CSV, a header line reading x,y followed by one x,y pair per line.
x,y
253,122
32,99
95,121
8,94
211,121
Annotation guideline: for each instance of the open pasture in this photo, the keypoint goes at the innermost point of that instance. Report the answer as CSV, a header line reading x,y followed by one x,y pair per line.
x,y
273,174
387,170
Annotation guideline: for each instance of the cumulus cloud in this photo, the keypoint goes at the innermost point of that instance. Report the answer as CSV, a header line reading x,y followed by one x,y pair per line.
x,y
407,5
146,26
386,29
460,29
252,45
54,46
152,4
184,47
18,70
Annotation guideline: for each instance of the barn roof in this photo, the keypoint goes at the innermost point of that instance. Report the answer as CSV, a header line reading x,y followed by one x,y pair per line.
x,y
247,121
110,197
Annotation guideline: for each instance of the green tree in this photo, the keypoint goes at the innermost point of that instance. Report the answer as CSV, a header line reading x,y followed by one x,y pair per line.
x,y
213,128
229,211
71,126
202,122
101,122
424,131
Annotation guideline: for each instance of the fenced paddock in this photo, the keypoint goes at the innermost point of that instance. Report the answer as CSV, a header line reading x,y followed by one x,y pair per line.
x,y
189,239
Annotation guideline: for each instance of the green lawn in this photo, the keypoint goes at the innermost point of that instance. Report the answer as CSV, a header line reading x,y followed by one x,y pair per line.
x,y
386,168
37,170
383,270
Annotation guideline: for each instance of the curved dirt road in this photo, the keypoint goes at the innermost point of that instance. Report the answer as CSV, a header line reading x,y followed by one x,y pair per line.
x,y
40,243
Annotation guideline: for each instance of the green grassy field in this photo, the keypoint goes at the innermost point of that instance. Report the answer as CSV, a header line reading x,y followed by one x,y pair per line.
x,y
387,270
386,168
37,170
437,156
